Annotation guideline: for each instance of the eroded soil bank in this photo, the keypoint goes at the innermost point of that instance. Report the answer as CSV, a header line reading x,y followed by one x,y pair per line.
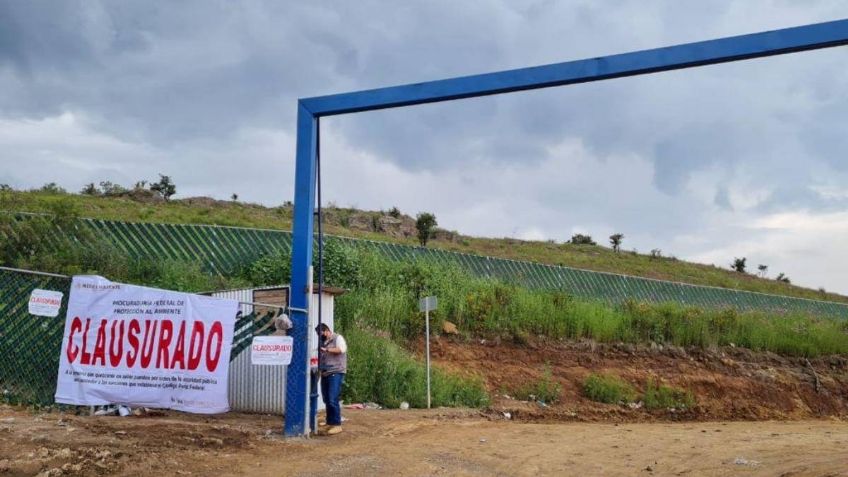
x,y
728,383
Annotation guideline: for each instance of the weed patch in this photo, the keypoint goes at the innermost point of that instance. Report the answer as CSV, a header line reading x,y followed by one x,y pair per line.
x,y
544,389
609,389
659,396
380,370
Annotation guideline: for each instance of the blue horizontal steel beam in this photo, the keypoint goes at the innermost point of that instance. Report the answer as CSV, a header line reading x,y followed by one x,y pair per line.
x,y
743,47
723,50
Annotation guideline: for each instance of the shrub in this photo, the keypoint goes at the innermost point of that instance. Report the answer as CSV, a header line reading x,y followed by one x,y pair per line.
x,y
659,396
90,189
341,264
185,276
111,190
341,267
544,390
52,188
580,239
381,371
608,389
272,269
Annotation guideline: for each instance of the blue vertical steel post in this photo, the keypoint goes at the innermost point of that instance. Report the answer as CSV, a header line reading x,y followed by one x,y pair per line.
x,y
297,377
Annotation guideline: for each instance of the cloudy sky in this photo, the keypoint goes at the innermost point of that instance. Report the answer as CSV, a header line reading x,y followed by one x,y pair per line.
x,y
745,159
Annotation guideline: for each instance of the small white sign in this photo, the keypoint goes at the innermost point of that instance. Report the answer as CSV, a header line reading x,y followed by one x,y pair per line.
x,y
45,303
428,304
271,350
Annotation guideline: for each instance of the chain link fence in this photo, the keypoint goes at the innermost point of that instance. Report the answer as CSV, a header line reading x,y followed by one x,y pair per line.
x,y
225,249
30,344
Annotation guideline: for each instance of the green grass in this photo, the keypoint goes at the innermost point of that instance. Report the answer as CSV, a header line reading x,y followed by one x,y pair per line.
x,y
381,371
659,396
207,211
386,299
609,389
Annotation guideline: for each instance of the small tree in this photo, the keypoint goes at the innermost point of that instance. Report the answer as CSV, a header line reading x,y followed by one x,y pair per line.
x,y
90,189
739,264
234,197
394,212
111,189
580,239
763,269
656,253
52,188
782,278
615,241
425,222
164,187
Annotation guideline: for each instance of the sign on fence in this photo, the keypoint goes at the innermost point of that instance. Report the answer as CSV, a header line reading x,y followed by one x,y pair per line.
x,y
271,350
45,303
139,346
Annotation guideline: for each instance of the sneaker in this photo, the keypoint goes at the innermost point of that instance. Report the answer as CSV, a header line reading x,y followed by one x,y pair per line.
x,y
333,430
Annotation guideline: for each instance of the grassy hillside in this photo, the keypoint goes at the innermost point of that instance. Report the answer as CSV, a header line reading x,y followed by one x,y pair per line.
x,y
382,226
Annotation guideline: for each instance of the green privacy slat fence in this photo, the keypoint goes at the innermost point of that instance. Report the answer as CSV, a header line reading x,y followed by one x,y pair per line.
x,y
30,345
224,249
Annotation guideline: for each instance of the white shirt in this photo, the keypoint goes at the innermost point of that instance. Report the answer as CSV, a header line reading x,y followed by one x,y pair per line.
x,y
341,344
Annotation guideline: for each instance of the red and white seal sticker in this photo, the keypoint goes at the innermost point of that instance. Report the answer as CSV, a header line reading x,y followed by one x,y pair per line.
x,y
45,303
271,350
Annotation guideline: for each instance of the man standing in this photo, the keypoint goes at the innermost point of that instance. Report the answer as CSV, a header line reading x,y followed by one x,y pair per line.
x,y
332,362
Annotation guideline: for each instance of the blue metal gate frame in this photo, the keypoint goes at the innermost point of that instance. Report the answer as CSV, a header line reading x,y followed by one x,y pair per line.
x,y
309,110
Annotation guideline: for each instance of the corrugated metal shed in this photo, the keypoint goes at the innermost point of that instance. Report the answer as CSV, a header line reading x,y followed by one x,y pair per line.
x,y
262,389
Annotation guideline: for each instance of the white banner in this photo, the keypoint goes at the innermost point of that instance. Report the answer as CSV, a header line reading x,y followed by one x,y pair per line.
x,y
139,346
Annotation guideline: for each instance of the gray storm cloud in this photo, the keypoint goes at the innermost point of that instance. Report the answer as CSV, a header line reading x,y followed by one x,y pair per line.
x,y
692,162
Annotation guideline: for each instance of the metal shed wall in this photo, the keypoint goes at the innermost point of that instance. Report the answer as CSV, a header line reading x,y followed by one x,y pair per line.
x,y
262,389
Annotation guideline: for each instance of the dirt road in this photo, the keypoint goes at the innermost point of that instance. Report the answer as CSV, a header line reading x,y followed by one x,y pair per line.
x,y
439,442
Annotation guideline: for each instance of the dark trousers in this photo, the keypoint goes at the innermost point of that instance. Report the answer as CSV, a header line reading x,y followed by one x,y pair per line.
x,y
331,388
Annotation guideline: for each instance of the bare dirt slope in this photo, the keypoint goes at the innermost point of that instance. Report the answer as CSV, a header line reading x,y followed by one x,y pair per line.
x,y
438,442
728,383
